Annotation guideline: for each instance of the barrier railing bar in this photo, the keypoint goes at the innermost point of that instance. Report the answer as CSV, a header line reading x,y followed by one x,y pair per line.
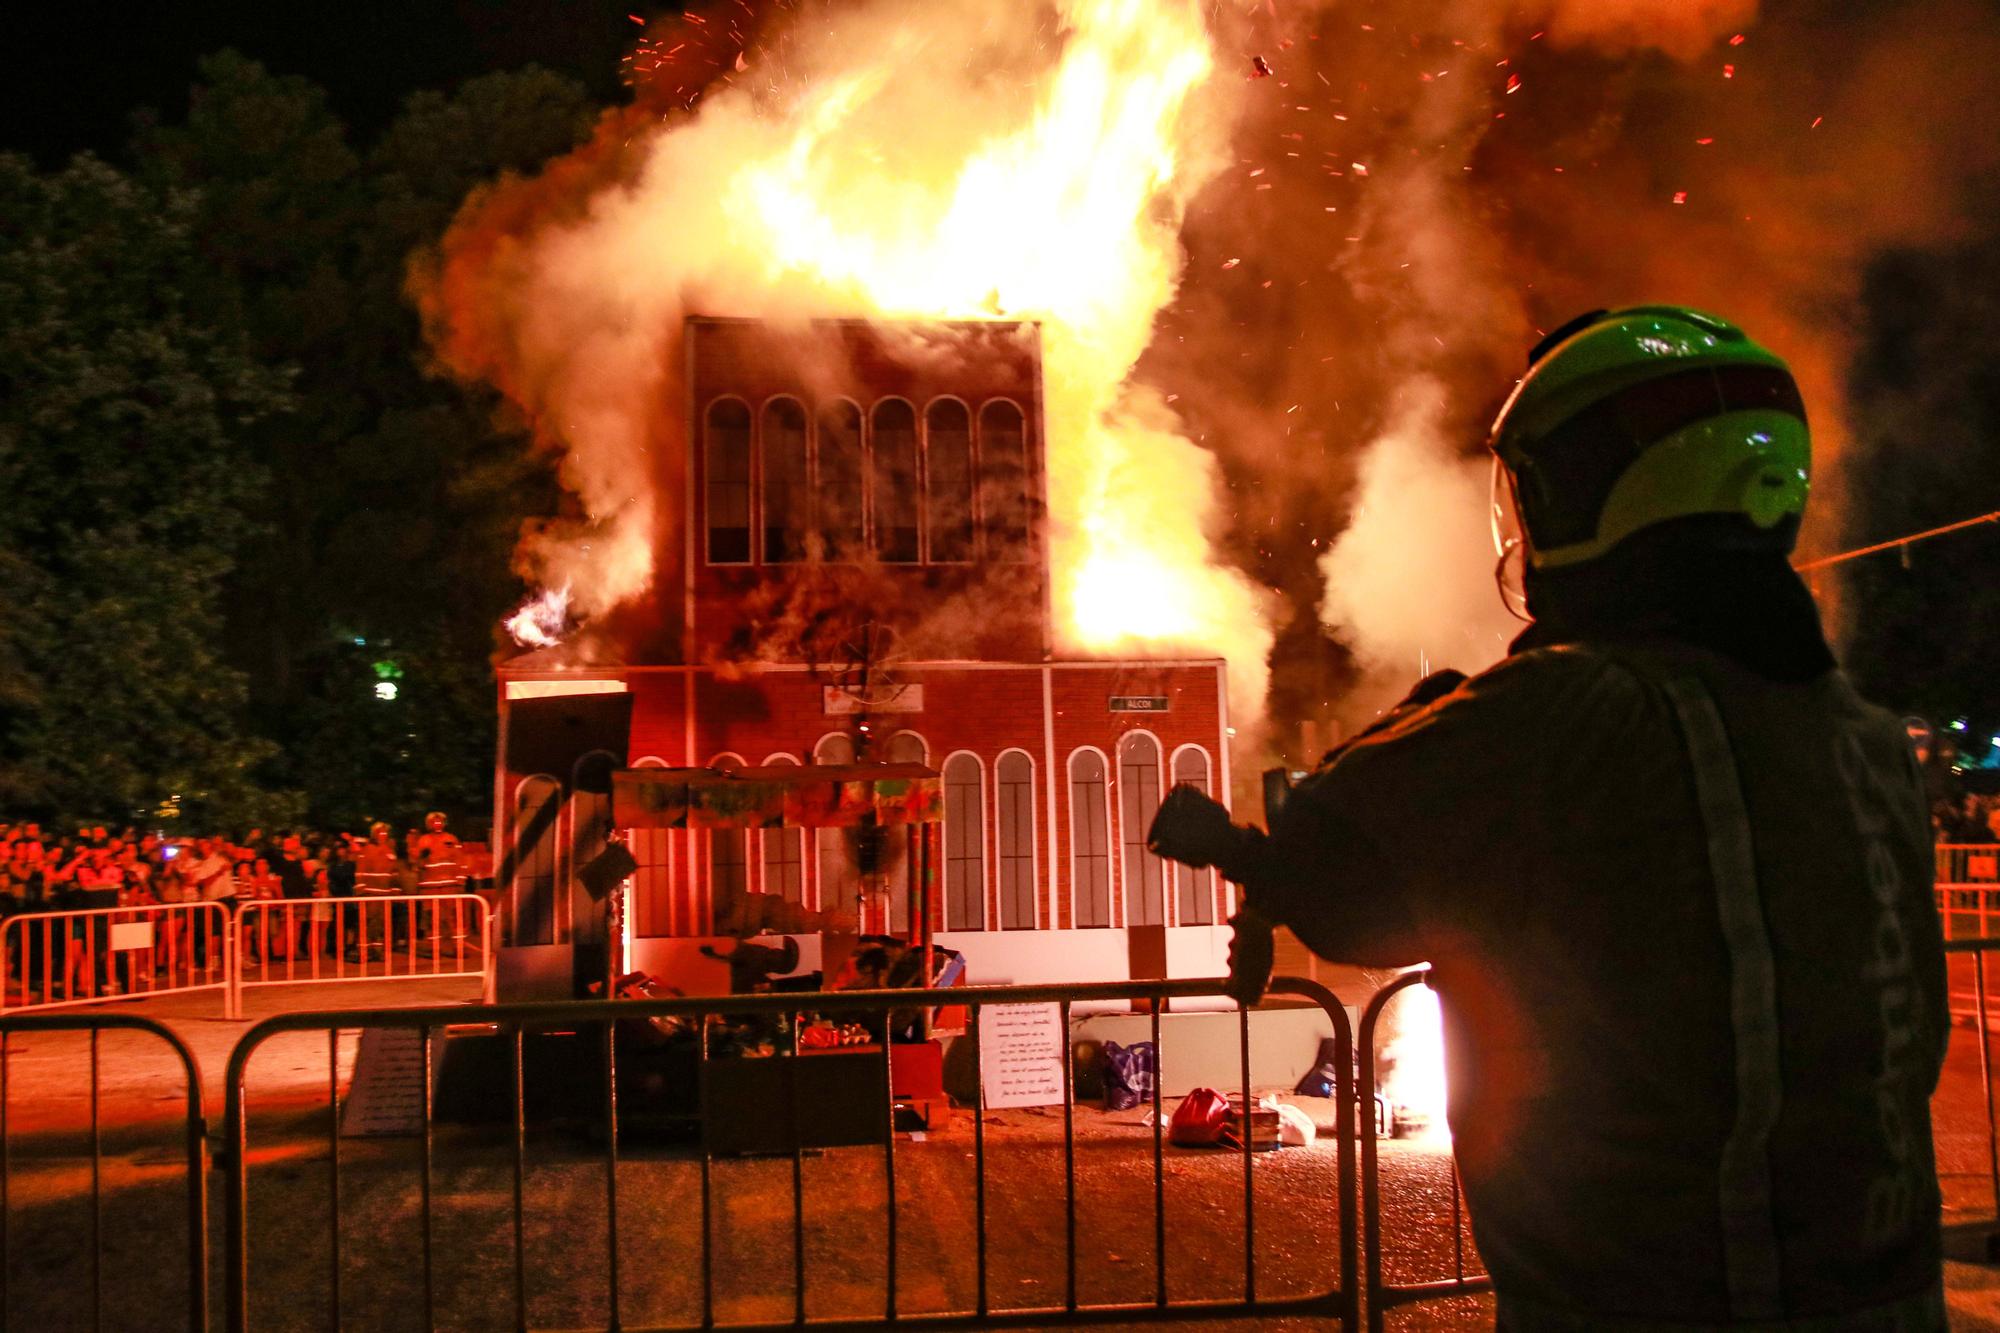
x,y
1249,1177
197,1141
1159,1173
889,1165
1986,1073
787,1077
1457,1226
978,1159
520,1188
96,1192
333,1162
1341,1301
1069,1160
611,1167
1383,1295
429,1147
1347,1109
81,935
6,1172
707,1183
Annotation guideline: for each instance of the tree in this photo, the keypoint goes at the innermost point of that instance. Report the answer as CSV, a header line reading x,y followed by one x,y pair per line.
x,y
395,500
1924,631
123,408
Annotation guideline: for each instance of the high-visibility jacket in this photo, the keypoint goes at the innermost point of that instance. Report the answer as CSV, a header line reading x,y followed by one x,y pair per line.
x,y
1682,928
375,870
439,870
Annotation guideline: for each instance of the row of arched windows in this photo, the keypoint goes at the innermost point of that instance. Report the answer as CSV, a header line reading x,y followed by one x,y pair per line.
x,y
775,861
785,485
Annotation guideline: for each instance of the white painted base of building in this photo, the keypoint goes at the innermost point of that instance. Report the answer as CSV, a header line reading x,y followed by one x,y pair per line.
x,y
992,958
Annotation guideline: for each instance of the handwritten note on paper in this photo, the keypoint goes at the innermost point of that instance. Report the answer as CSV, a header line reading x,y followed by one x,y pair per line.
x,y
1021,1052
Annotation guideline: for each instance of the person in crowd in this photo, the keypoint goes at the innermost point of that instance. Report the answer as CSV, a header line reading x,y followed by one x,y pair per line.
x,y
439,867
378,879
288,865
321,914
340,877
213,877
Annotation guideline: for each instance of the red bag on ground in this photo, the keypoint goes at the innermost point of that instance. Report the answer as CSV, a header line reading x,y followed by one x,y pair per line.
x,y
1199,1119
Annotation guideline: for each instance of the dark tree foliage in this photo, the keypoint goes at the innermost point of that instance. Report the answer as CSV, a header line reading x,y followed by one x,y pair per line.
x,y
394,499
1923,632
125,404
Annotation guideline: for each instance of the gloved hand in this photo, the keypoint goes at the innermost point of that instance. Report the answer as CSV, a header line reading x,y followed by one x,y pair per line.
x,y
1252,954
1193,830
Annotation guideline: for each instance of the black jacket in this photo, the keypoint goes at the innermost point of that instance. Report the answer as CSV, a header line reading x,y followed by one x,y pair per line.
x,y
1681,919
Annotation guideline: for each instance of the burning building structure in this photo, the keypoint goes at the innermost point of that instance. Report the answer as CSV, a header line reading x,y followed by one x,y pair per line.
x,y
862,575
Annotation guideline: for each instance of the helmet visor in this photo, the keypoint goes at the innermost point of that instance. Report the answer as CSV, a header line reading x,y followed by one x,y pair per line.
x,y
1510,546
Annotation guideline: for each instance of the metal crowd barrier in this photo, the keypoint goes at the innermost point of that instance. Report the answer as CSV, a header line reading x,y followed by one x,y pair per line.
x,y
60,959
197,1160
1978,949
1383,1295
1968,888
55,960
1338,1300
289,941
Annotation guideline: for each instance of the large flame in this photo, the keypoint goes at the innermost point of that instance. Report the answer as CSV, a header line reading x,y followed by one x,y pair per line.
x,y
1414,1057
950,159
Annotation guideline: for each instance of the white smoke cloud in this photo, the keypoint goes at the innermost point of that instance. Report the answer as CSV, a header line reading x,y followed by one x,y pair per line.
x,y
1409,584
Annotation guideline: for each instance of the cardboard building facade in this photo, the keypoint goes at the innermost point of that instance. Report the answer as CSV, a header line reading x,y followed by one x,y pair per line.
x,y
861,576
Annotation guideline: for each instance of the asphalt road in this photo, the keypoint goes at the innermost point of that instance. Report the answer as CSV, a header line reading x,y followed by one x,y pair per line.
x,y
143,1279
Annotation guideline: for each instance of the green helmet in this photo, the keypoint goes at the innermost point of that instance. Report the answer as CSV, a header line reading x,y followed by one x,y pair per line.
x,y
1628,418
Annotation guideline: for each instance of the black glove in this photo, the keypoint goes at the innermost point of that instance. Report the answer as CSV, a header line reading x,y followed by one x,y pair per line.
x,y
1193,830
1252,954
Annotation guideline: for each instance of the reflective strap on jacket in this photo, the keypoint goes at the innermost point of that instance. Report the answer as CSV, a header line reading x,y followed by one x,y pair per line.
x,y
1749,1226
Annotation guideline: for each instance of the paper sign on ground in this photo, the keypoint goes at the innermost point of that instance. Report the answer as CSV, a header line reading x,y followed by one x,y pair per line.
x,y
386,1098
1021,1052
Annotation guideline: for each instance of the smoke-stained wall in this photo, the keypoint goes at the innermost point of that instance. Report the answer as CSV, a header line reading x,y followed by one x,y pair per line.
x,y
1290,256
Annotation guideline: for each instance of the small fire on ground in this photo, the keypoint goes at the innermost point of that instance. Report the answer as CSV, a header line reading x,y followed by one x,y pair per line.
x,y
1413,1063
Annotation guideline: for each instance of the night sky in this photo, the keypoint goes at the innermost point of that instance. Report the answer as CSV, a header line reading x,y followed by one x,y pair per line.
x,y
71,77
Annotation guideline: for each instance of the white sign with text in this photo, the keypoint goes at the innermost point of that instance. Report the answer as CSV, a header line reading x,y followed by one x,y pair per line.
x,y
1021,1052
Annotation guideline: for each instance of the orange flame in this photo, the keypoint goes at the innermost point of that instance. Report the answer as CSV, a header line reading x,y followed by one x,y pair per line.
x,y
1415,1083
944,160
540,621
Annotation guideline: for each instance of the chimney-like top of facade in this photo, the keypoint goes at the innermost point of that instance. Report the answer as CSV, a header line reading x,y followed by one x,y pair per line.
x,y
849,474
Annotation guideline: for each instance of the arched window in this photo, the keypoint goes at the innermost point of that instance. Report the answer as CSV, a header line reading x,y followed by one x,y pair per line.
x,y
839,874
894,844
1138,798
1006,497
726,453
1089,840
1194,890
787,483
728,862
948,480
1014,780
840,475
532,892
784,853
652,883
964,843
893,481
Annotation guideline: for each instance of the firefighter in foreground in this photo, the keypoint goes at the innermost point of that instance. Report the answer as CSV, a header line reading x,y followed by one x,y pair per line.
x,y
1673,875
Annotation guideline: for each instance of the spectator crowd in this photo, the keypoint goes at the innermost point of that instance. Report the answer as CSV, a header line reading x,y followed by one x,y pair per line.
x,y
43,871
1968,820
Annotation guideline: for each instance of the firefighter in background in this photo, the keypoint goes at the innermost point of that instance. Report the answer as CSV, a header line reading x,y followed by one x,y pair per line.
x,y
377,879
1672,874
439,867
